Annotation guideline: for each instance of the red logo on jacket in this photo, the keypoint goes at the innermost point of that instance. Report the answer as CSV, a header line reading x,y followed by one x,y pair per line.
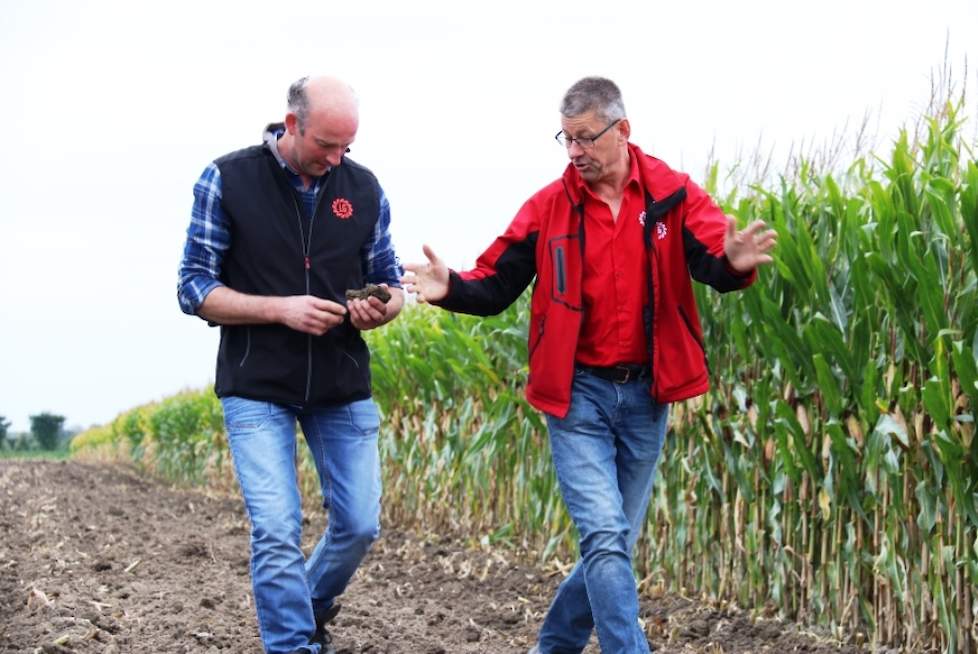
x,y
342,208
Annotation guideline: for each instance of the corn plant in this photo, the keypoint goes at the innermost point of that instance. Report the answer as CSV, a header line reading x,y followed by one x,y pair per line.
x,y
832,470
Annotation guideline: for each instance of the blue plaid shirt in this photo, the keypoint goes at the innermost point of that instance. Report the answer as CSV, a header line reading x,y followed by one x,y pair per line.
x,y
209,237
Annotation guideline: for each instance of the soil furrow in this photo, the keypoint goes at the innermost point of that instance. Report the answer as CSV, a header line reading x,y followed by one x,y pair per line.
x,y
94,558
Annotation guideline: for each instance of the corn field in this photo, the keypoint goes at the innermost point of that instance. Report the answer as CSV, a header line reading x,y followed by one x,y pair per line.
x,y
832,471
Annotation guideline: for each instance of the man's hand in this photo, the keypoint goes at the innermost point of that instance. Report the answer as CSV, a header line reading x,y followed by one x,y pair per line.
x,y
304,313
428,280
368,313
749,248
309,314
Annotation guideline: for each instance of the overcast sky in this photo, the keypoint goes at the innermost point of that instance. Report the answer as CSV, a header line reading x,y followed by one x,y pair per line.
x,y
111,111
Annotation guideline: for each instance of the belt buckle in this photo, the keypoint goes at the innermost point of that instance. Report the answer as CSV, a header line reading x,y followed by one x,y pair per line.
x,y
622,375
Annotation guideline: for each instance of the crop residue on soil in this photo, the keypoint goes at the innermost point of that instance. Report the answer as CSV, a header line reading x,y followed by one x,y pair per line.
x,y
94,558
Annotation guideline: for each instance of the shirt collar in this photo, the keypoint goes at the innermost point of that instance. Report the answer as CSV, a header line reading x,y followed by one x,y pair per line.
x,y
634,177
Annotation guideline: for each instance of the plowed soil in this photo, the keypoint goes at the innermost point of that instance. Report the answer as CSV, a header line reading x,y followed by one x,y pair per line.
x,y
95,558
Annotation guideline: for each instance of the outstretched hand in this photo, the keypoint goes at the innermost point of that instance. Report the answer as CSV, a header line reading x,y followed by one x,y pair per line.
x,y
429,281
747,249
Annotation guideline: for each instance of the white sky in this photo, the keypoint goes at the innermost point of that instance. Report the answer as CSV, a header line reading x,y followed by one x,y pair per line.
x,y
112,109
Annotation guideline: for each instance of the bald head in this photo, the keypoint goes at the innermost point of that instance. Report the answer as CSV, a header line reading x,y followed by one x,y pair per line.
x,y
328,98
320,125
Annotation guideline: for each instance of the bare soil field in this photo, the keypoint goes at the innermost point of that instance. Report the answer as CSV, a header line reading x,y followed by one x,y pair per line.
x,y
95,558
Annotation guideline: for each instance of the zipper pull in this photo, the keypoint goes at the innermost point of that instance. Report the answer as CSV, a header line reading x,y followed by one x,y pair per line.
x,y
308,263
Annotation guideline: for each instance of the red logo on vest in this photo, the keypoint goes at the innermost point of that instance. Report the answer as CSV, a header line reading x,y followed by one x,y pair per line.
x,y
342,208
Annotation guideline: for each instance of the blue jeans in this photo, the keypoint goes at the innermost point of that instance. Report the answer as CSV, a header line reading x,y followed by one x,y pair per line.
x,y
289,590
604,452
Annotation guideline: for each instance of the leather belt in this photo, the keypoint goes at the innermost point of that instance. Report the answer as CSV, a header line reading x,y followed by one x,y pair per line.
x,y
620,374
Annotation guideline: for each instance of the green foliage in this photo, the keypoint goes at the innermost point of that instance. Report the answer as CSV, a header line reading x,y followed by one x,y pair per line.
x,y
187,430
181,438
29,452
852,366
4,427
46,429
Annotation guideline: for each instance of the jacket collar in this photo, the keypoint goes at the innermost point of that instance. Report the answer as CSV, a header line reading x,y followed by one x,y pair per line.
x,y
270,139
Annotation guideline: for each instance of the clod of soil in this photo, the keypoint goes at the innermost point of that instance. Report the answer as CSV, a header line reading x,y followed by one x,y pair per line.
x,y
370,290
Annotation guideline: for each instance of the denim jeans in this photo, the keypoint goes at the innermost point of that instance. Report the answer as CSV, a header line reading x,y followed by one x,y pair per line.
x,y
604,452
289,590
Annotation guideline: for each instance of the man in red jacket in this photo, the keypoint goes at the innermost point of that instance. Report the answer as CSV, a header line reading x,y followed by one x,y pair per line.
x,y
614,337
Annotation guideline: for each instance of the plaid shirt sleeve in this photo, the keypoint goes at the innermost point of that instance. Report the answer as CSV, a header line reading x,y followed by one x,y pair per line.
x,y
208,238
381,265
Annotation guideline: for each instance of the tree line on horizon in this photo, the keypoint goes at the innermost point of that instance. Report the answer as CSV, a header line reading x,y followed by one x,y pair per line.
x,y
47,433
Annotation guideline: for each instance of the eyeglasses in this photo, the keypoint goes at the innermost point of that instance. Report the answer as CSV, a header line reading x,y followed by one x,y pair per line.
x,y
586,142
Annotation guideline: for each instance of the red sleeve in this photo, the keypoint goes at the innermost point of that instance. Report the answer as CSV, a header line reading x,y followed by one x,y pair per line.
x,y
704,227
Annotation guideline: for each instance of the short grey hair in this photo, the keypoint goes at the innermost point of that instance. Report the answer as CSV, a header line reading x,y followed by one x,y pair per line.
x,y
597,94
299,102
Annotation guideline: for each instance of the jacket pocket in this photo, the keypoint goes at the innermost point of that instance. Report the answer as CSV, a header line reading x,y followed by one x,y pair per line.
x,y
247,347
535,343
695,336
565,270
680,369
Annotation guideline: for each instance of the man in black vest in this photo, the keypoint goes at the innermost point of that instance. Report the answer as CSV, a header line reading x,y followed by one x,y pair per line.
x,y
278,233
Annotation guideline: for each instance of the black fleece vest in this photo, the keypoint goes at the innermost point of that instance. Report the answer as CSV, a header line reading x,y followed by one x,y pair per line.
x,y
276,249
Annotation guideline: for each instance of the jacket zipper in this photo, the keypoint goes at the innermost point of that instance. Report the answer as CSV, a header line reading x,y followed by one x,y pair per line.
x,y
655,266
306,246
559,265
650,271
